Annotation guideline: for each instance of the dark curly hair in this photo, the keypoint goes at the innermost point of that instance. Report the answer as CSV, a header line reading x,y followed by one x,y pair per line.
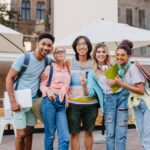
x,y
89,44
127,46
46,35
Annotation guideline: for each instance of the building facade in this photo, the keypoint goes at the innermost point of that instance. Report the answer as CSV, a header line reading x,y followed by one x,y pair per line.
x,y
136,13
34,18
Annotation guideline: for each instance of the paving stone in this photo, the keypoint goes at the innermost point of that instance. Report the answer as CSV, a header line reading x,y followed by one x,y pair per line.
x,y
133,142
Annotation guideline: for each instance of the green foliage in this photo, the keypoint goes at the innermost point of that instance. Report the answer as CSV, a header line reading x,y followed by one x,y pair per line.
x,y
7,15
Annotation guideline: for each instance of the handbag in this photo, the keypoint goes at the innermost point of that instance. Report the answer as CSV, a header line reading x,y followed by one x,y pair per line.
x,y
133,99
36,106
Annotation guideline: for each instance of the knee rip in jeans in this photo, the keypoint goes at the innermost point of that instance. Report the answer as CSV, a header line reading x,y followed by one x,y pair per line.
x,y
122,109
109,120
123,123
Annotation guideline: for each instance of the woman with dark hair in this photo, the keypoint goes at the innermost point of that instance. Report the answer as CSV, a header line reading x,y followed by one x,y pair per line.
x,y
81,110
132,79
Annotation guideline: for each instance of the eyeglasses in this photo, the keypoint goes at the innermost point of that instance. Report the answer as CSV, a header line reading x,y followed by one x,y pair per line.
x,y
60,52
81,44
120,55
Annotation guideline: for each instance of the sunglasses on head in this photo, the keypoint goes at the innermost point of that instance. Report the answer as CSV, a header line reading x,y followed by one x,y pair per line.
x,y
120,55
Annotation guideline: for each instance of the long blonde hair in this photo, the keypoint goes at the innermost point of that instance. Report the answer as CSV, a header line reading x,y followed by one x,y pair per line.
x,y
95,62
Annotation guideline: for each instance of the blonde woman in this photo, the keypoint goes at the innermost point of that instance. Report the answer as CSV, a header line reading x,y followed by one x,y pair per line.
x,y
115,104
54,100
97,82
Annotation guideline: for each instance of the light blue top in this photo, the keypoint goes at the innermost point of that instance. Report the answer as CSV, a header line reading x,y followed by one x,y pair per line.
x,y
31,77
95,88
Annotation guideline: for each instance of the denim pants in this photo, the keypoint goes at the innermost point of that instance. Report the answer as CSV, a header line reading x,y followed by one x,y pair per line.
x,y
116,120
54,117
142,115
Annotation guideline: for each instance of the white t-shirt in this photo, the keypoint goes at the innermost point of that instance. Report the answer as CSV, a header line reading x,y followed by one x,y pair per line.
x,y
102,80
133,75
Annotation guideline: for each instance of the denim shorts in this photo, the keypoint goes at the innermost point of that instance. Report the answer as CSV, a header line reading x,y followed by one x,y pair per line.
x,y
24,118
82,114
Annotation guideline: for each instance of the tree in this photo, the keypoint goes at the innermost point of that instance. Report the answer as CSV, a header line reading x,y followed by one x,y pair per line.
x,y
7,15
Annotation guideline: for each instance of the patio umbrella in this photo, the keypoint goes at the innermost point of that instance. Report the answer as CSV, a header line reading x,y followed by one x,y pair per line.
x,y
111,33
11,41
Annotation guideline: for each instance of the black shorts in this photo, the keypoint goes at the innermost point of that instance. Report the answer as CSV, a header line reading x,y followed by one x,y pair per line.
x,y
82,115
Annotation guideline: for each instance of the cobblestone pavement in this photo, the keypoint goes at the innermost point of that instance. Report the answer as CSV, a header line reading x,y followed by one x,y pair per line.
x,y
132,141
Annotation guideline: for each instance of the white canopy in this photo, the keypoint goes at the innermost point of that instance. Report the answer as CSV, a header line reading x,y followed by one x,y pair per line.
x,y
10,41
111,33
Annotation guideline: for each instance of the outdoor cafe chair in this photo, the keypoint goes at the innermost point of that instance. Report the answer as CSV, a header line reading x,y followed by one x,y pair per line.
x,y
6,120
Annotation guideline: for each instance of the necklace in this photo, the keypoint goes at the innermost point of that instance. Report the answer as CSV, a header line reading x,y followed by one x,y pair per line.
x,y
84,64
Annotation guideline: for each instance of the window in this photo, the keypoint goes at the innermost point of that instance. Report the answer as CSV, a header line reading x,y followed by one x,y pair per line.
x,y
40,11
129,16
142,51
119,13
142,18
25,10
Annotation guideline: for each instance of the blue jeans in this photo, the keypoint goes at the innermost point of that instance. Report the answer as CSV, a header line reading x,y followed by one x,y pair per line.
x,y
142,114
54,117
116,120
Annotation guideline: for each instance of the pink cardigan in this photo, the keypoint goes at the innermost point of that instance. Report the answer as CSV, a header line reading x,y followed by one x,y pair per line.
x,y
60,80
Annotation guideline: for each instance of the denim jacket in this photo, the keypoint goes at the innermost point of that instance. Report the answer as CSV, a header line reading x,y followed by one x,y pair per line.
x,y
95,88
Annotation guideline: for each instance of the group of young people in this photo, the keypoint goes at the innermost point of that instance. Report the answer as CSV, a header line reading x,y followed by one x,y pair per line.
x,y
76,89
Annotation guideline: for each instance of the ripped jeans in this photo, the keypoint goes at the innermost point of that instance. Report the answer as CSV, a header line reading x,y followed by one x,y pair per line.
x,y
116,120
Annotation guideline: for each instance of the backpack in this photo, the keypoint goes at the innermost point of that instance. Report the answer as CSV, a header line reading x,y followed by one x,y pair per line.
x,y
23,69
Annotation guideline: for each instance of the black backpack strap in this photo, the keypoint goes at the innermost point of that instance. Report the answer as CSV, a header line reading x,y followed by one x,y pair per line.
x,y
23,69
25,64
50,76
46,61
